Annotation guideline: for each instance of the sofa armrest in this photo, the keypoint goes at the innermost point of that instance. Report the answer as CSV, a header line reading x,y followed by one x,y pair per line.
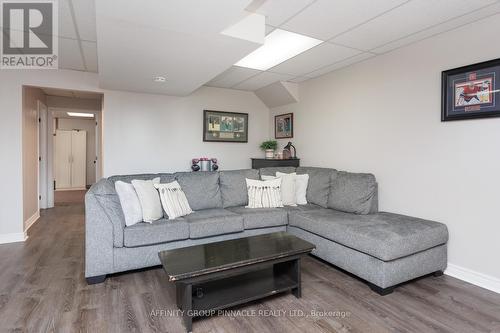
x,y
98,239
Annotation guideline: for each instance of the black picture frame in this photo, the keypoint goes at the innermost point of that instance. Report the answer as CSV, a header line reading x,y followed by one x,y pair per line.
x,y
283,134
471,92
216,129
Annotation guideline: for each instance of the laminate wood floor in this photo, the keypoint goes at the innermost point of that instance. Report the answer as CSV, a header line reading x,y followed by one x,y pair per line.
x,y
42,289
69,197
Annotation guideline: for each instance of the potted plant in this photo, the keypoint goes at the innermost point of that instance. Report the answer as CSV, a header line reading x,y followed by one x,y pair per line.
x,y
269,147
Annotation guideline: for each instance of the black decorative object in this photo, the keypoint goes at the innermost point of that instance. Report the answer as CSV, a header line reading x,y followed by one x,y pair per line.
x,y
221,126
287,153
471,91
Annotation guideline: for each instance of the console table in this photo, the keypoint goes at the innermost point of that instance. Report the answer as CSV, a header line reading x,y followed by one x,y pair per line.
x,y
258,163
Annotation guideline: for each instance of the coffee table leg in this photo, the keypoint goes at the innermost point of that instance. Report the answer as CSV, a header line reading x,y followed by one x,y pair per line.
x,y
297,292
187,306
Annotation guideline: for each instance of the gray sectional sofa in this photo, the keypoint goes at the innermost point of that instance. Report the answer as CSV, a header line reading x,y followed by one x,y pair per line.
x,y
341,219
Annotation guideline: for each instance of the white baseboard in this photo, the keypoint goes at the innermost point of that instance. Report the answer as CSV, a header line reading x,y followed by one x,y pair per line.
x,y
479,279
31,221
12,238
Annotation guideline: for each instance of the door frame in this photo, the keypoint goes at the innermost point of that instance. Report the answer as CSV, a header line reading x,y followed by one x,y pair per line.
x,y
42,156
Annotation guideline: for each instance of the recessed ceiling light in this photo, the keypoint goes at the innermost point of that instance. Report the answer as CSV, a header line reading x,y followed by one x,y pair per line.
x,y
159,79
79,114
279,46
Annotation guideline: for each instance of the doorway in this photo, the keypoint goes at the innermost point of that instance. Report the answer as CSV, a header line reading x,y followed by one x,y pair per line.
x,y
46,113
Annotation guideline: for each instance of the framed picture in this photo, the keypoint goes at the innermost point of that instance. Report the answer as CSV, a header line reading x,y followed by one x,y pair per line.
x,y
220,126
283,126
471,91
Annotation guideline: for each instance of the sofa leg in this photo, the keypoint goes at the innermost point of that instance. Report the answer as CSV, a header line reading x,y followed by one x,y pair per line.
x,y
437,273
96,279
381,291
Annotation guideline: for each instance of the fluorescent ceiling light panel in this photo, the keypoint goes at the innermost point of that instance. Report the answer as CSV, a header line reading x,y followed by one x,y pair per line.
x,y
79,114
279,45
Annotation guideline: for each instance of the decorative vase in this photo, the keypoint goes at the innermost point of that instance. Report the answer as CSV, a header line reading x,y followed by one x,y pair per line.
x,y
269,153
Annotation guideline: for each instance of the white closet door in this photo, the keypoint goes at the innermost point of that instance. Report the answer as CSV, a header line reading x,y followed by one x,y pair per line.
x,y
62,159
79,159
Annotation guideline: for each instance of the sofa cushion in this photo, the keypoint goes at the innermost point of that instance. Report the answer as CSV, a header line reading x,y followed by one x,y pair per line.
x,y
271,171
385,236
160,231
254,218
166,178
302,208
233,187
352,192
129,178
319,184
201,189
213,222
107,198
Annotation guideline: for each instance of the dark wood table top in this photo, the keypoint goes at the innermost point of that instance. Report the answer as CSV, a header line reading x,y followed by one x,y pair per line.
x,y
203,259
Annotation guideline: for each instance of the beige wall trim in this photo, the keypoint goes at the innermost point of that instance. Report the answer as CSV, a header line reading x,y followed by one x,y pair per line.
x,y
31,221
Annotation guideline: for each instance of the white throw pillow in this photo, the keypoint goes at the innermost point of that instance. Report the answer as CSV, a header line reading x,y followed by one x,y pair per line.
x,y
287,187
301,182
173,199
149,198
264,193
130,203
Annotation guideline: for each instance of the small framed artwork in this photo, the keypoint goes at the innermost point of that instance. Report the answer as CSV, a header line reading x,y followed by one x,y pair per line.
x,y
471,91
283,126
220,126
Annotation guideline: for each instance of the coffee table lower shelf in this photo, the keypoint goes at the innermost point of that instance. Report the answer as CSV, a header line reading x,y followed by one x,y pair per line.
x,y
205,296
228,292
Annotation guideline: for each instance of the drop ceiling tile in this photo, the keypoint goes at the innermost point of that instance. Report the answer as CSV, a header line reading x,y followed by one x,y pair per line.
x,y
410,18
340,64
325,19
317,57
299,79
278,11
232,76
85,19
69,55
90,55
449,25
261,80
65,20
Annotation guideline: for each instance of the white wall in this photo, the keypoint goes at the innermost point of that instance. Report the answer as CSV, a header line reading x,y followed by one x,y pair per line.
x,y
157,133
141,132
383,116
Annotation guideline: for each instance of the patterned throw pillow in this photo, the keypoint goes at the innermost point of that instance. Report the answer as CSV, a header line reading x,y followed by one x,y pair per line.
x,y
264,193
173,200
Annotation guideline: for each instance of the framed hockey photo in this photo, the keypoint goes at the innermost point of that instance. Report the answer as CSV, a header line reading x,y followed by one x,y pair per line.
x,y
221,126
283,126
471,92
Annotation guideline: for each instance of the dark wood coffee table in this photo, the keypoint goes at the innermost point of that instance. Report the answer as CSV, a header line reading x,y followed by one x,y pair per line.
x,y
214,276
